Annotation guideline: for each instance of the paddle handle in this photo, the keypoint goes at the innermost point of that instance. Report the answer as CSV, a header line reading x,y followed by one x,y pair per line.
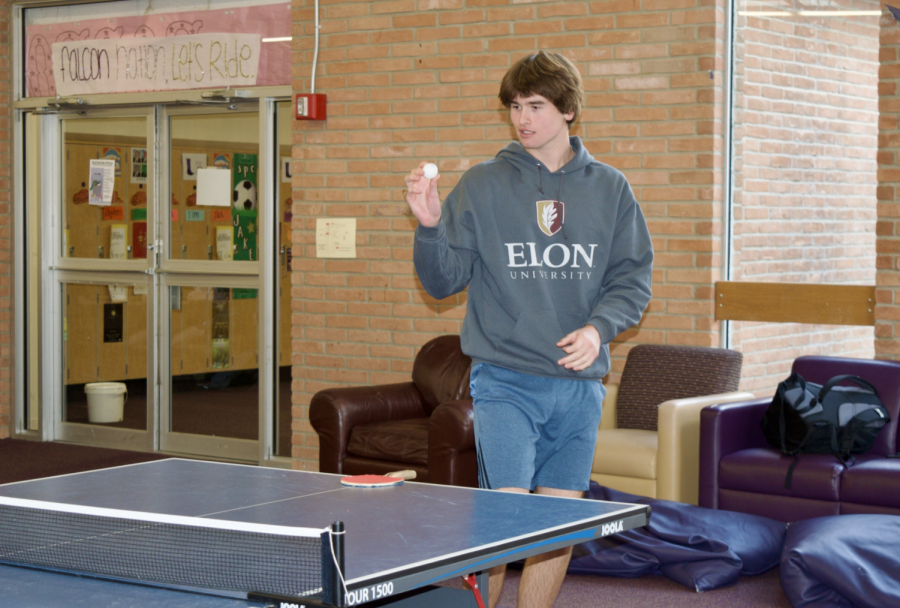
x,y
402,474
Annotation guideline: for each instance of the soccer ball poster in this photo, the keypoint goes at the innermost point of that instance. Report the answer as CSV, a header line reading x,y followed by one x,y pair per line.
x,y
244,206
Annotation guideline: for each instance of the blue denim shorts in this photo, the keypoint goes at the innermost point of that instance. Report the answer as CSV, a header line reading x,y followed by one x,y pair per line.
x,y
534,431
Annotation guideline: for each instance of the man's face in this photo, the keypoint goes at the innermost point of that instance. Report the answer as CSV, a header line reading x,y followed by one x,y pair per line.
x,y
538,122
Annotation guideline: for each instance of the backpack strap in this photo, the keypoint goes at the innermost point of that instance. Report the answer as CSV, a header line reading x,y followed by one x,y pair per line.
x,y
782,424
838,379
796,454
857,424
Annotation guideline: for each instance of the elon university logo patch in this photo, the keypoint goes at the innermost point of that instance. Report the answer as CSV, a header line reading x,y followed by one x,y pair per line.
x,y
550,216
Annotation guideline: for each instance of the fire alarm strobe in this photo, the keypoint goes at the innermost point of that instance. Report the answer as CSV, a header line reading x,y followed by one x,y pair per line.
x,y
310,106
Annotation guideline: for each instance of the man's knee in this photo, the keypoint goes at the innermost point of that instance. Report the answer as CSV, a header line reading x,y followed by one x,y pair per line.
x,y
557,492
513,490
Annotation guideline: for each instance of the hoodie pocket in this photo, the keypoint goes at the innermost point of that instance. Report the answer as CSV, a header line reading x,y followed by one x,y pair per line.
x,y
532,342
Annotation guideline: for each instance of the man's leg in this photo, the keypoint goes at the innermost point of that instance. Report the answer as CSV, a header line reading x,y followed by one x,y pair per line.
x,y
498,573
543,574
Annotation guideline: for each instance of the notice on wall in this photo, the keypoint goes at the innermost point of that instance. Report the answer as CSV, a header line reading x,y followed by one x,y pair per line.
x,y
115,155
102,179
139,165
112,322
117,234
191,163
336,237
118,293
139,240
286,169
113,213
118,65
224,243
213,187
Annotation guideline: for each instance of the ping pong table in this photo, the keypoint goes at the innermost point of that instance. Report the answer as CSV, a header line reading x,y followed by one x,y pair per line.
x,y
150,532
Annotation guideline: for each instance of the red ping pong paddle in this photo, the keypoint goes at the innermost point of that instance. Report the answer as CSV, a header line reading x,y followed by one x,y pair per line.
x,y
377,481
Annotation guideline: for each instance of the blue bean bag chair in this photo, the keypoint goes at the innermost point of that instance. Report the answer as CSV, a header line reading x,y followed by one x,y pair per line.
x,y
843,560
700,548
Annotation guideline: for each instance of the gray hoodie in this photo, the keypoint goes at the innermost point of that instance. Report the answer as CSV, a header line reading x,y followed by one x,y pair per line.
x,y
538,269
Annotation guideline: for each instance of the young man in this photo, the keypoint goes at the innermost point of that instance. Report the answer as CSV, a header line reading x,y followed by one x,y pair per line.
x,y
557,258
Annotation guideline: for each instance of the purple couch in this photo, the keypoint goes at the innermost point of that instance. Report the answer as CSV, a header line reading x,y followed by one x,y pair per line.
x,y
739,471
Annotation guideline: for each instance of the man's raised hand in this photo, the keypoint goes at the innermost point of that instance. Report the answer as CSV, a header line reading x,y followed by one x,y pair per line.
x,y
422,196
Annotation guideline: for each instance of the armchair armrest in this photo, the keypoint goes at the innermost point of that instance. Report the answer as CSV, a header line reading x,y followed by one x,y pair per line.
x,y
608,415
334,412
725,429
451,444
678,453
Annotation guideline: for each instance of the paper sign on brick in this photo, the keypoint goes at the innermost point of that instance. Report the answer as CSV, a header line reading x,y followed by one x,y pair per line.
x,y
117,65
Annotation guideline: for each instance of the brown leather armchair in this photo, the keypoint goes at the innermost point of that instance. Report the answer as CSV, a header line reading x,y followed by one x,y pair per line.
x,y
425,425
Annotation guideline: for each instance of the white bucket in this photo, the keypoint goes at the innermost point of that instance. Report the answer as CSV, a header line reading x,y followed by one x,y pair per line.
x,y
106,401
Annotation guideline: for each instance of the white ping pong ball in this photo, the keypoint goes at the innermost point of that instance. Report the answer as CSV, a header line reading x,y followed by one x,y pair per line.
x,y
431,170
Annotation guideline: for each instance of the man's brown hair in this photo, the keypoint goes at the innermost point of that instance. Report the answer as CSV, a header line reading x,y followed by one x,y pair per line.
x,y
549,75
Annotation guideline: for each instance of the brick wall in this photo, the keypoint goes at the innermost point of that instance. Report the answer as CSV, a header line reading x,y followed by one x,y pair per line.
x,y
887,279
6,300
806,132
409,80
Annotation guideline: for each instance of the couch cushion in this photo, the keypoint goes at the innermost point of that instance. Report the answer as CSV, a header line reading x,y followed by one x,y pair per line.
x,y
626,453
872,482
763,470
400,440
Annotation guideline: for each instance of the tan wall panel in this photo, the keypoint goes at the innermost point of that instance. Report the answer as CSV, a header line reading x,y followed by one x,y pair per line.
x,y
136,335
82,336
244,332
111,355
180,192
195,307
82,219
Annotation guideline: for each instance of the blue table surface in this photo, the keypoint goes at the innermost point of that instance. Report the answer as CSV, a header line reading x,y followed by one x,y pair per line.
x,y
29,588
387,528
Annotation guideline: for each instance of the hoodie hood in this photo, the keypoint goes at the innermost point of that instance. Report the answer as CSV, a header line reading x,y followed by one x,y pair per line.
x,y
523,159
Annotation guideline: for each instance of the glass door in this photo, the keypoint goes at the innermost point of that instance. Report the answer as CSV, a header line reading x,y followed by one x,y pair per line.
x,y
211,387
167,269
99,199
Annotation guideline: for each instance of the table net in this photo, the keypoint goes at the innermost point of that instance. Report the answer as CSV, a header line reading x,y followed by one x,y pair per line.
x,y
208,554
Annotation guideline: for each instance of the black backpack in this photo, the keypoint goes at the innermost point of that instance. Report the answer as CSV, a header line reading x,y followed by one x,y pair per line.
x,y
807,418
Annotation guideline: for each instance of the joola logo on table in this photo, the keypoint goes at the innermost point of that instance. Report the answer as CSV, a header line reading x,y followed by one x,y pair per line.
x,y
612,528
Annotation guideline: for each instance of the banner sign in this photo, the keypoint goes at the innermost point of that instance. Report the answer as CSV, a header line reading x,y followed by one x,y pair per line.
x,y
155,64
243,210
215,49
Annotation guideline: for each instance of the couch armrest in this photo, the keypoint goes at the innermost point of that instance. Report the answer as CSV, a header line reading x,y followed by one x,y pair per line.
x,y
451,444
678,453
725,429
334,412
608,415
452,427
